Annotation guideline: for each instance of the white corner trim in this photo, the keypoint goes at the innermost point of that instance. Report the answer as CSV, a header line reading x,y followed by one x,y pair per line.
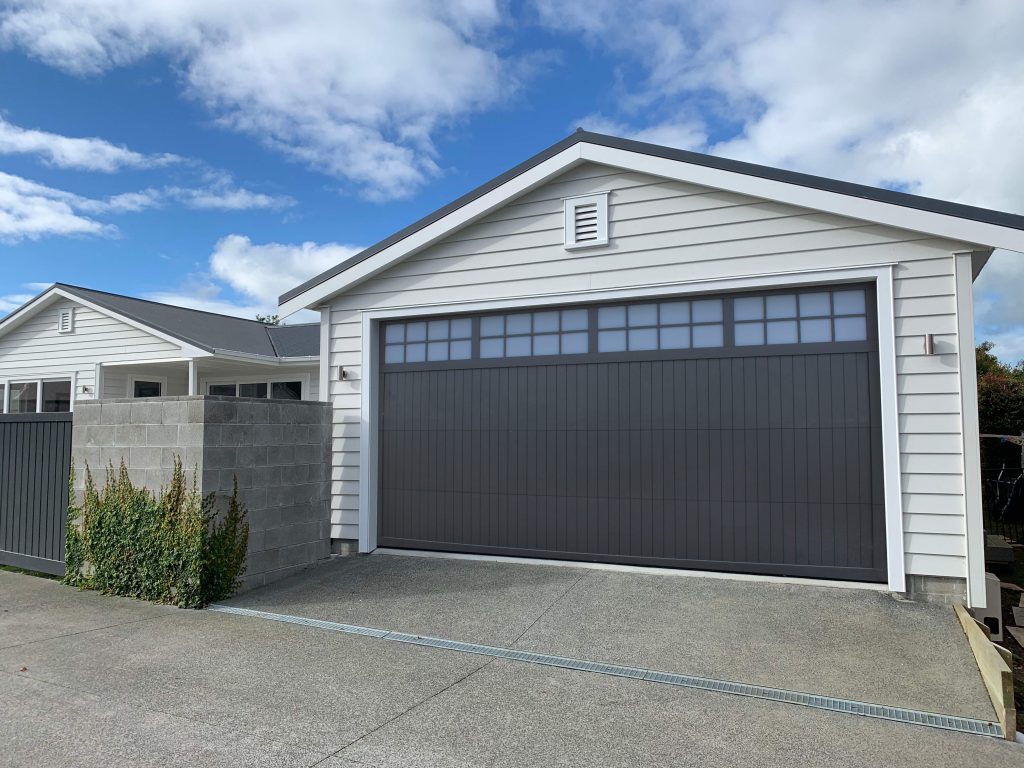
x,y
894,553
325,354
973,519
880,274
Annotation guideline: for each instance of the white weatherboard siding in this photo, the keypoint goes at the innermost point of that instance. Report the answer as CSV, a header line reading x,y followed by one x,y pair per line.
x,y
671,232
34,349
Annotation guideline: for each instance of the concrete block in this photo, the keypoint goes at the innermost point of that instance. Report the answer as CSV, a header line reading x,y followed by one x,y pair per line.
x,y
307,454
114,413
130,434
264,560
144,457
259,413
175,411
99,435
147,413
220,411
220,457
251,455
936,589
280,496
244,475
87,413
267,434
257,537
235,434
162,436
278,455
190,435
195,411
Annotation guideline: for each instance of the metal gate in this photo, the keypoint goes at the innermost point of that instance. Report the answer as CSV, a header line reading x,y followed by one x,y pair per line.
x,y
35,464
757,458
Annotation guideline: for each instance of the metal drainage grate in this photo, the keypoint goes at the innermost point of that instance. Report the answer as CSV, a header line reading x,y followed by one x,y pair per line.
x,y
845,706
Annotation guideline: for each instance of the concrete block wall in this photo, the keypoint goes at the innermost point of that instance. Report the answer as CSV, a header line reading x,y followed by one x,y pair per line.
x,y
279,451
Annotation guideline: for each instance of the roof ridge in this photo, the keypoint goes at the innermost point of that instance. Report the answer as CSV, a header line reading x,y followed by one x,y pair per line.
x,y
160,303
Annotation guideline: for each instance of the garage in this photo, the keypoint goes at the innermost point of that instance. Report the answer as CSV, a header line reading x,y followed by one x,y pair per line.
x,y
729,432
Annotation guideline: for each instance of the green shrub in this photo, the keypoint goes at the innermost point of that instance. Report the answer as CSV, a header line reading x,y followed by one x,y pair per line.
x,y
167,547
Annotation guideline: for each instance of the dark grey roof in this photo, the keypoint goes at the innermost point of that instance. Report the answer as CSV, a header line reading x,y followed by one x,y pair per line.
x,y
932,205
295,340
209,330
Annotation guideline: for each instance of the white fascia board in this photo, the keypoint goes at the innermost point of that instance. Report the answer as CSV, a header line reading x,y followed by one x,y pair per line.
x,y
899,216
44,300
439,229
966,231
249,357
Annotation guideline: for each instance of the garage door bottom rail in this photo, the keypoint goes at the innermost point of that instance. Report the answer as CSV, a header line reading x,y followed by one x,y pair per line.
x,y
792,570
829,703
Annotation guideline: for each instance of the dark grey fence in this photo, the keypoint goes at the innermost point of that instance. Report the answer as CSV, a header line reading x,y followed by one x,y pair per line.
x,y
35,461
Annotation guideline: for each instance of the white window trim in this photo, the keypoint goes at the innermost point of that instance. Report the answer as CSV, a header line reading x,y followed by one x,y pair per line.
x,y
303,378
600,199
879,274
140,377
5,385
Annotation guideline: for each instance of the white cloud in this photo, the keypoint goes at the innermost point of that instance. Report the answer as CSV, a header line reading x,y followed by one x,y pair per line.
x,y
923,95
243,278
223,195
263,272
355,90
87,154
29,211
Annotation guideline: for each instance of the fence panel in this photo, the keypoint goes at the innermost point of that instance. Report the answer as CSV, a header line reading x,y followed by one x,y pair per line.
x,y
35,462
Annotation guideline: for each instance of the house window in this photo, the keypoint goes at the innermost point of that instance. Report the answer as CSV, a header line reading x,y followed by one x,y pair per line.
x,y
551,332
24,397
279,390
666,325
800,318
146,388
586,220
56,396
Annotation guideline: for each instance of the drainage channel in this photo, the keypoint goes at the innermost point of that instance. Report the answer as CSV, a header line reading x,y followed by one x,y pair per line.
x,y
829,703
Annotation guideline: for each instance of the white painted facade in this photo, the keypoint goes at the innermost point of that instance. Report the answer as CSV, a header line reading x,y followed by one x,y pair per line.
x,y
668,235
104,353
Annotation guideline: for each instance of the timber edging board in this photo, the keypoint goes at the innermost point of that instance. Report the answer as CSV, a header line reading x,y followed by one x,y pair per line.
x,y
994,670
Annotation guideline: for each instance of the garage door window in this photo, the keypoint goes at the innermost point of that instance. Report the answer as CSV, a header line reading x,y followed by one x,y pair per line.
x,y
428,341
805,318
668,325
552,332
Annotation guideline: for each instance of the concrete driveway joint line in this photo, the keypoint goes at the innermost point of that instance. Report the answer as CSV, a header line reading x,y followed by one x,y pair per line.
x,y
829,703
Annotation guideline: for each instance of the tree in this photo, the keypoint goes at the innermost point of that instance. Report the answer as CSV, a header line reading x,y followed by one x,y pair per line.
x,y
269,319
1000,393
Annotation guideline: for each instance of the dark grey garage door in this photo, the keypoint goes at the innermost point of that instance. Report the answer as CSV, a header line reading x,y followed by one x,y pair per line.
x,y
736,433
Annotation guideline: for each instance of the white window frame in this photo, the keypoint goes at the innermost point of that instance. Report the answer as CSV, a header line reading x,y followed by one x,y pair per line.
x,y
880,274
5,384
600,200
302,378
162,380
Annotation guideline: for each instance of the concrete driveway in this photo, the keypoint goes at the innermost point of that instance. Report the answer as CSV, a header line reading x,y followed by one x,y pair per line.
x,y
92,680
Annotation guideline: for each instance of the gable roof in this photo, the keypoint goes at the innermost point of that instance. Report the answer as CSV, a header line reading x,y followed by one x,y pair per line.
x,y
207,331
997,229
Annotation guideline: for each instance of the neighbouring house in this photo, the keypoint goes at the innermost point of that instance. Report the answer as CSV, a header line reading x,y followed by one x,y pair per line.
x,y
624,353
72,344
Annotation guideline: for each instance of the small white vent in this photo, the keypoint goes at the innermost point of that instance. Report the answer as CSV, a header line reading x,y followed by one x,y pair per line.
x,y
586,220
66,321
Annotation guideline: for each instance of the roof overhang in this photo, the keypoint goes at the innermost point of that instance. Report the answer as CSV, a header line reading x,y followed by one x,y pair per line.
x,y
51,295
963,224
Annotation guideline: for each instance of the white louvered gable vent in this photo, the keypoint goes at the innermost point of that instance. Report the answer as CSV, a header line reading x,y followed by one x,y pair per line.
x,y
586,220
66,320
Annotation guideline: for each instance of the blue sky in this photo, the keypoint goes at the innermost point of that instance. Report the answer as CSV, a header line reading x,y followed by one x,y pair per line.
x,y
214,154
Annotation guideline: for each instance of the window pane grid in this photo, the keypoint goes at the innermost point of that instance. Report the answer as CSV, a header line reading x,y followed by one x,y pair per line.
x,y
663,325
813,317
